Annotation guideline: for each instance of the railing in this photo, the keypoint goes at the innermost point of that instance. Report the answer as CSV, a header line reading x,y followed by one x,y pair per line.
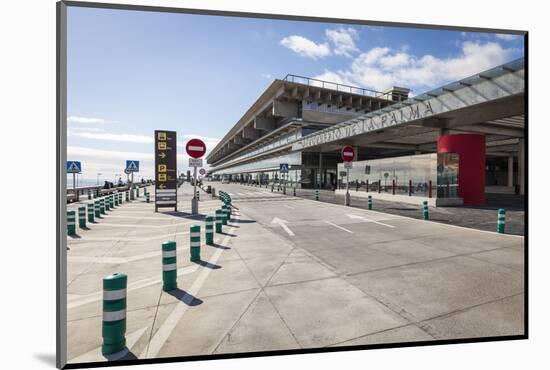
x,y
337,87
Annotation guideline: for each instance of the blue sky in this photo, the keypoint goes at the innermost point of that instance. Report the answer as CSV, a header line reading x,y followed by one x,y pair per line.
x,y
132,72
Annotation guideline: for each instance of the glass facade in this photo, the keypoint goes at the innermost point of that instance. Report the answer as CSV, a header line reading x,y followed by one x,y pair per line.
x,y
426,175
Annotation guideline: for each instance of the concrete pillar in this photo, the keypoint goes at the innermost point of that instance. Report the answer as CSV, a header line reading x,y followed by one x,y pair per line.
x,y
511,171
320,169
521,166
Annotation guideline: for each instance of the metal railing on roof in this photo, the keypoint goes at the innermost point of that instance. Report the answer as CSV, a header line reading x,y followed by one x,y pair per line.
x,y
337,86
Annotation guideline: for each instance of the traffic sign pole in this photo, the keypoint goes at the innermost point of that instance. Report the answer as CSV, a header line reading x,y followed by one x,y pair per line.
x,y
194,201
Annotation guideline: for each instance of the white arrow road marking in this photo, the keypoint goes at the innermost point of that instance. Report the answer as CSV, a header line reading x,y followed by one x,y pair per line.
x,y
80,300
282,223
340,227
95,354
168,326
367,220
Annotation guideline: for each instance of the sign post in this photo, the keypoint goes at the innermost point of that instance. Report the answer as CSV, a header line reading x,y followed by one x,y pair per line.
x,y
131,167
283,168
74,167
348,154
165,170
195,148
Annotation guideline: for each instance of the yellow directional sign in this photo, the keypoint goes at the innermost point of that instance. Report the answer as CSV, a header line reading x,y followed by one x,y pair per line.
x,y
165,168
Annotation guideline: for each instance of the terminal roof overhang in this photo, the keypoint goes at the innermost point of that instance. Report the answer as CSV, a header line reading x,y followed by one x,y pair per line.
x,y
490,103
271,117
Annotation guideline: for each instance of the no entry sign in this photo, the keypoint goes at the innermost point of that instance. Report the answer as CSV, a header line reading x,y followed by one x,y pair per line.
x,y
195,148
348,154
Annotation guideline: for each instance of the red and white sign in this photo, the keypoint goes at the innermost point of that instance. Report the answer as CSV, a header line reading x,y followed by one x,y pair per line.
x,y
202,171
348,154
195,148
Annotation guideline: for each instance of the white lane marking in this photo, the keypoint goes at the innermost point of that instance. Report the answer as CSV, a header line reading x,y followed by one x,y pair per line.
x,y
339,227
287,206
282,223
95,354
168,326
368,220
114,239
80,300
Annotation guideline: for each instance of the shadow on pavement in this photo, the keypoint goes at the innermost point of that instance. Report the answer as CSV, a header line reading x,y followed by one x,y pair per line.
x,y
185,297
241,221
228,234
208,265
190,216
219,246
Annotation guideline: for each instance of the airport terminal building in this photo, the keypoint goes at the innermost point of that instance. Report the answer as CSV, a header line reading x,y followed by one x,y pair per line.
x,y
452,144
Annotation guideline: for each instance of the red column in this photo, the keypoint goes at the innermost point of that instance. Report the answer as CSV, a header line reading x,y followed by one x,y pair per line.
x,y
471,164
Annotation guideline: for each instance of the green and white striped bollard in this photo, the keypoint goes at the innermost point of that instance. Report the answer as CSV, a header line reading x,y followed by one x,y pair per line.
x,y
114,314
119,198
209,230
316,194
112,201
169,266
369,201
115,196
198,196
102,206
107,203
425,211
127,196
195,239
501,221
89,194
219,220
227,210
71,222
147,199
82,217
91,212
97,208
293,192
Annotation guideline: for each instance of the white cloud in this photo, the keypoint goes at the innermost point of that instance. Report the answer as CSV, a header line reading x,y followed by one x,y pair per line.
x,y
382,67
305,47
343,40
128,138
507,37
267,75
87,120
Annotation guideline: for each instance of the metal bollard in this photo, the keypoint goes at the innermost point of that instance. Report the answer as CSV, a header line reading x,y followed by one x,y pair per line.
x,y
114,314
294,192
71,222
137,192
82,217
316,194
115,196
224,216
195,239
169,266
369,201
209,230
425,210
119,198
501,221
102,205
272,186
127,196
132,194
219,220
91,212
97,209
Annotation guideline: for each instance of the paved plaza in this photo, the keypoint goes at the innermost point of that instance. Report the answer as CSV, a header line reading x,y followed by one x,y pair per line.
x,y
290,273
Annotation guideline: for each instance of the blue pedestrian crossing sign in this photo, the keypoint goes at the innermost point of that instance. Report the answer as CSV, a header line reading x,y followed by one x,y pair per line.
x,y
132,166
73,167
283,167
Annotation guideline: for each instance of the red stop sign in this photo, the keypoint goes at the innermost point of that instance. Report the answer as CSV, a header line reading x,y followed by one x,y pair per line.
x,y
348,154
195,148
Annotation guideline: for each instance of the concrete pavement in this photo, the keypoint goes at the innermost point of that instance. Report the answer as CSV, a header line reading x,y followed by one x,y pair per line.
x,y
291,273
